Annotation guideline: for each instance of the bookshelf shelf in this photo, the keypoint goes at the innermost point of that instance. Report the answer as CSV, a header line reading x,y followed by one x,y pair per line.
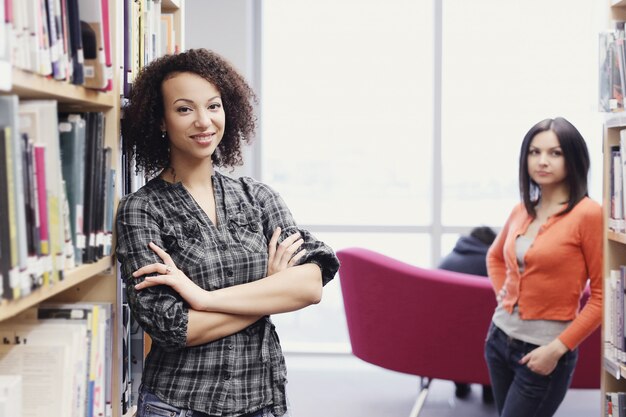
x,y
73,277
612,368
169,5
617,237
30,85
615,120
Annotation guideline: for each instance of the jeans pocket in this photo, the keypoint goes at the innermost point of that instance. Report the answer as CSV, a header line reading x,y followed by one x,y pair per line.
x,y
153,406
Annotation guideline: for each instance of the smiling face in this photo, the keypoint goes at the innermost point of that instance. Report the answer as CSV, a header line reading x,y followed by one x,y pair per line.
x,y
193,116
546,163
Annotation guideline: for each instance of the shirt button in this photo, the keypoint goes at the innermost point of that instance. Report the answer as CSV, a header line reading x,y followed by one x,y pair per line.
x,y
231,347
223,246
227,376
229,272
254,227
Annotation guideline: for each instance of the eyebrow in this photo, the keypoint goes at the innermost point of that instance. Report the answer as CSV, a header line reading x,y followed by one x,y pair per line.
x,y
186,100
552,148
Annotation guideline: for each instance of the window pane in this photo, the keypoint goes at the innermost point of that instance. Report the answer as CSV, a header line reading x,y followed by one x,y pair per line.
x,y
504,69
347,109
323,326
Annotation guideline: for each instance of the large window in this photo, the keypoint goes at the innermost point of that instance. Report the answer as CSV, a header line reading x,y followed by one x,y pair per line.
x,y
355,94
506,67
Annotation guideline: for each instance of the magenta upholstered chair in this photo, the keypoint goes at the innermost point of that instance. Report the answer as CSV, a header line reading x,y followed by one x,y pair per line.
x,y
425,322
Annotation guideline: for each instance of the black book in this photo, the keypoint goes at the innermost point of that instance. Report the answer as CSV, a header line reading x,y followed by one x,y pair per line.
x,y
5,234
76,42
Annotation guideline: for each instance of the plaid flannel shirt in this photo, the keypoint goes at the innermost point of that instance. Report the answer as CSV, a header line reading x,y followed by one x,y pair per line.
x,y
237,374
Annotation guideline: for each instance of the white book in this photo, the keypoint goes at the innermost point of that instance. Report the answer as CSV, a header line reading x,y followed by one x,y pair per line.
x,y
46,355
9,116
47,134
10,395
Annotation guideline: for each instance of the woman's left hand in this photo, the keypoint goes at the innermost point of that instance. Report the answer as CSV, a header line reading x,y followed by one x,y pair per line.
x,y
172,276
543,360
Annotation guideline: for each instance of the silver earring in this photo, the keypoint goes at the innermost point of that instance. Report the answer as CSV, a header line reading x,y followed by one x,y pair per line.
x,y
163,133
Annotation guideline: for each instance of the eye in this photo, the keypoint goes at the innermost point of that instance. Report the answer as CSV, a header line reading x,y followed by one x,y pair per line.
x,y
557,152
183,109
215,106
533,152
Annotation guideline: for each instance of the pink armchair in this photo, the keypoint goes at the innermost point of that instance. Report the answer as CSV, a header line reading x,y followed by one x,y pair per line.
x,y
429,323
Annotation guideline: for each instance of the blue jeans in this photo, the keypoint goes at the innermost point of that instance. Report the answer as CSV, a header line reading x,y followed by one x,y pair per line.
x,y
149,405
517,390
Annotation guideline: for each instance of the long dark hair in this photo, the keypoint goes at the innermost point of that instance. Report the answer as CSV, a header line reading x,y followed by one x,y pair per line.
x,y
576,162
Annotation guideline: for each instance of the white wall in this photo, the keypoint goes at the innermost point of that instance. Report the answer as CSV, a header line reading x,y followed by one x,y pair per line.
x,y
228,28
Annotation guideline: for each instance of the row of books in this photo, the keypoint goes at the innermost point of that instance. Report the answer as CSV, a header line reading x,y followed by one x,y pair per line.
x,y
615,404
617,185
56,193
65,39
151,34
62,355
614,323
612,66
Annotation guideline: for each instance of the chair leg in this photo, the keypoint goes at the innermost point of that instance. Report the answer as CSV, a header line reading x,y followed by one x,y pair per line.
x,y
421,397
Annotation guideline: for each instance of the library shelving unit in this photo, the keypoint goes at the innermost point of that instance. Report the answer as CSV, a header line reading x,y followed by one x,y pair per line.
x,y
98,281
613,377
88,282
91,282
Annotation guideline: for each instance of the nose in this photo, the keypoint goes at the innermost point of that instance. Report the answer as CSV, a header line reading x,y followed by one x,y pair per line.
x,y
543,158
203,119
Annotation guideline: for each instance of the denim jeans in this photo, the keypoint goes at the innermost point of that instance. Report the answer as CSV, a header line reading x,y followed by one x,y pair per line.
x,y
517,390
149,405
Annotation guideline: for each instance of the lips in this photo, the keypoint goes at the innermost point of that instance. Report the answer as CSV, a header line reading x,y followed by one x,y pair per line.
x,y
203,137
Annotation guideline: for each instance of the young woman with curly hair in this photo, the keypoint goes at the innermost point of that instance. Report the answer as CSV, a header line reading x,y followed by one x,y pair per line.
x,y
208,258
539,264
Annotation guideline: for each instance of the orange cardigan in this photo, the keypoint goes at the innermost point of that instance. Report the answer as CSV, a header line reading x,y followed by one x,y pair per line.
x,y
566,252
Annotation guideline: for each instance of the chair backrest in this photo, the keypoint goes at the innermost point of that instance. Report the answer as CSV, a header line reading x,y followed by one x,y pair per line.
x,y
427,322
430,323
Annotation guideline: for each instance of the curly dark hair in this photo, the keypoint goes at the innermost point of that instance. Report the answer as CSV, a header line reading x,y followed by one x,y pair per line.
x,y
143,114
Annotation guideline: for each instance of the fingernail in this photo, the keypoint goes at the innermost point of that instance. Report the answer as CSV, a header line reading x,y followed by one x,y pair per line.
x,y
134,274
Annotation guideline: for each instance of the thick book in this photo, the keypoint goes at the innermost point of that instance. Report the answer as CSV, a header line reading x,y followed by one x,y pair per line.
x,y
72,137
9,109
76,42
31,214
53,20
48,354
92,32
8,255
106,39
46,132
45,260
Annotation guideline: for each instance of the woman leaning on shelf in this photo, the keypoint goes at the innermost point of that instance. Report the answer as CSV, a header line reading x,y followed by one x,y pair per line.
x,y
539,264
208,258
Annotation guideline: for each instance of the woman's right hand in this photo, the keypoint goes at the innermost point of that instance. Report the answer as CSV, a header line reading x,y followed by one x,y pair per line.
x,y
284,255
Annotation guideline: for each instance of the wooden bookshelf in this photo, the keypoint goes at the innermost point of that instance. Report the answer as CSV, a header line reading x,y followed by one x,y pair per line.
x,y
30,86
177,8
97,281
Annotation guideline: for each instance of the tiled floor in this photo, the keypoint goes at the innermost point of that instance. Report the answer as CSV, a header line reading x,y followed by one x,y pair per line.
x,y
344,386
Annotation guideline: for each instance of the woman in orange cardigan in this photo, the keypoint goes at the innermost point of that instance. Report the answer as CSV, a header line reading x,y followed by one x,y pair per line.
x,y
539,265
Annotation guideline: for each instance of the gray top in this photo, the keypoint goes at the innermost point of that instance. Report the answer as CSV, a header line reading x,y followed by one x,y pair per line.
x,y
537,332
